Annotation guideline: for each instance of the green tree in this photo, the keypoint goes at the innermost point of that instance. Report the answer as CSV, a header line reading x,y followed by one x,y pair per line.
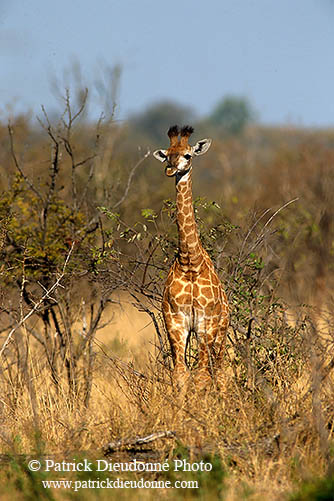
x,y
232,114
157,118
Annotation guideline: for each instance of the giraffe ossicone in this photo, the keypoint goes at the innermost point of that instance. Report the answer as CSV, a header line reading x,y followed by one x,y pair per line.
x,y
194,299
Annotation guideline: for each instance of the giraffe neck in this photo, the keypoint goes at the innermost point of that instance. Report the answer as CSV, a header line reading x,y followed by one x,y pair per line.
x,y
190,248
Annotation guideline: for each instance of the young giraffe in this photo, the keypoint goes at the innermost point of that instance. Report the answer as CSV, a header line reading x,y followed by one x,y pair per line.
x,y
193,299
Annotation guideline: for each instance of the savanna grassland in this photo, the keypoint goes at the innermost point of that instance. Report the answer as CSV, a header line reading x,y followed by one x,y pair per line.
x,y
87,237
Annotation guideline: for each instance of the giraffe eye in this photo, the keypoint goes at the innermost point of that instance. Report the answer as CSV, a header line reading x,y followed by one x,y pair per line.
x,y
187,156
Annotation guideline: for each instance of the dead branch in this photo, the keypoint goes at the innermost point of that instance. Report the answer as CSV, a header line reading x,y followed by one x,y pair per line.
x,y
141,307
133,443
125,194
263,233
39,303
17,165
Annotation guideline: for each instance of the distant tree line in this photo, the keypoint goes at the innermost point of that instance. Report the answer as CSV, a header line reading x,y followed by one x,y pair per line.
x,y
230,116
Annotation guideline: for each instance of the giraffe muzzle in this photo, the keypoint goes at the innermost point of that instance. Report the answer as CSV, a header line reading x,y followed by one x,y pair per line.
x,y
170,171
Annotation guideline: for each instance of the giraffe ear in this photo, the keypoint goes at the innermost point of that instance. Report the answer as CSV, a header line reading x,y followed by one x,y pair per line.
x,y
160,155
202,146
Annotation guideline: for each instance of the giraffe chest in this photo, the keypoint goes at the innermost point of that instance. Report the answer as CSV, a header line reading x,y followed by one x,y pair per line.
x,y
194,295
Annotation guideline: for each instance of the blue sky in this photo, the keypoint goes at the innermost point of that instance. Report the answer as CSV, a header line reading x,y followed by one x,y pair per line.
x,y
280,54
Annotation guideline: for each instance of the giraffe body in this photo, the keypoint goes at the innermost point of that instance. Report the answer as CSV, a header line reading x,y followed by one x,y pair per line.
x,y
194,299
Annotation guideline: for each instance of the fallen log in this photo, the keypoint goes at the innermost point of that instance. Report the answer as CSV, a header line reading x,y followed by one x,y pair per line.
x,y
133,443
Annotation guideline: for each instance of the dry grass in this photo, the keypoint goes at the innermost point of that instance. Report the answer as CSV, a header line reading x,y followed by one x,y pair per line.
x,y
271,430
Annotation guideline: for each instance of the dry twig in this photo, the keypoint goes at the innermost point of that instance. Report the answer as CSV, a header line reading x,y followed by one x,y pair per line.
x,y
39,303
133,443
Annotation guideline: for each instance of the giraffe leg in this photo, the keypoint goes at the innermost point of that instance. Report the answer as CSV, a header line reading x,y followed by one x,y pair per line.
x,y
203,372
178,333
180,371
220,344
206,336
219,375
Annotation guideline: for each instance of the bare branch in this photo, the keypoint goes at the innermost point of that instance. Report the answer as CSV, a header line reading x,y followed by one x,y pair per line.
x,y
137,441
53,175
264,232
130,179
39,303
17,165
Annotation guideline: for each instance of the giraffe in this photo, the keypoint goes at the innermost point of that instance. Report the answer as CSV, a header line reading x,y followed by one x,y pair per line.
x,y
193,299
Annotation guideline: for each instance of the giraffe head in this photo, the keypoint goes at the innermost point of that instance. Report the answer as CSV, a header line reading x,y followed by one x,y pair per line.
x,y
179,155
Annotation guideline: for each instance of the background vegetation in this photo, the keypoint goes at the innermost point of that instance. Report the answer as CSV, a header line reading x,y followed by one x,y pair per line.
x,y
88,226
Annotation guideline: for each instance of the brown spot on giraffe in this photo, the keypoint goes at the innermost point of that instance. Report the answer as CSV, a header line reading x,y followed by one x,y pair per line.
x,y
194,298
